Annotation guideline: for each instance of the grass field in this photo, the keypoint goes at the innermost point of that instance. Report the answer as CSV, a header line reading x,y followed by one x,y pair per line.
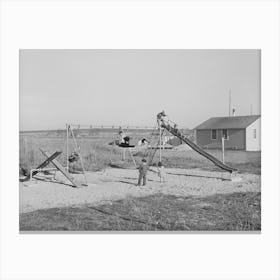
x,y
97,154
231,212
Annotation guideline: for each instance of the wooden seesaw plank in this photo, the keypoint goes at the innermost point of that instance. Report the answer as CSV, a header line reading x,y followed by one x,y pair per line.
x,y
41,166
47,161
59,167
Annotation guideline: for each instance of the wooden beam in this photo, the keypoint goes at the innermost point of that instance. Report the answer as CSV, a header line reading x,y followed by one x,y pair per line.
x,y
60,168
49,159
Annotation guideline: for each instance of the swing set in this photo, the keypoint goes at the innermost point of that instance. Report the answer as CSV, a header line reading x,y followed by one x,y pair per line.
x,y
74,156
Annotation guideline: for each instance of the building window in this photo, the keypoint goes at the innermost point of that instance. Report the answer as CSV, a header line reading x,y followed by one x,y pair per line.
x,y
254,133
225,134
214,134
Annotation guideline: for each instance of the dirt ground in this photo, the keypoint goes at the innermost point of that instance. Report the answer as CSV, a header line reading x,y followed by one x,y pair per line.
x,y
114,184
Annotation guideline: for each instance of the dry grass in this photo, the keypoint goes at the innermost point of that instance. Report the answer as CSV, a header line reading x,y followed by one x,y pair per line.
x,y
231,212
98,154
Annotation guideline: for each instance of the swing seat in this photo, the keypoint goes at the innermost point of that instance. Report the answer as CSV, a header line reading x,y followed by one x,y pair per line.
x,y
125,145
74,157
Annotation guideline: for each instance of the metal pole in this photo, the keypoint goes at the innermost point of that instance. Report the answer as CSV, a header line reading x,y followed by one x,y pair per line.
x,y
223,148
67,148
132,157
123,155
160,143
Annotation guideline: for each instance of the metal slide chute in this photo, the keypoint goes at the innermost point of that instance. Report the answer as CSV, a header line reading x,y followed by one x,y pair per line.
x,y
195,147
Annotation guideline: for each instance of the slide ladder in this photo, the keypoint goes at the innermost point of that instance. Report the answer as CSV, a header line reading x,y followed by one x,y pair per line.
x,y
197,148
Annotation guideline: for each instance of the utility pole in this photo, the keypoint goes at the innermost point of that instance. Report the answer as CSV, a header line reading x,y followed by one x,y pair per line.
x,y
251,109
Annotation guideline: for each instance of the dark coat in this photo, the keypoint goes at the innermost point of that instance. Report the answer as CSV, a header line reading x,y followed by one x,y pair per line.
x,y
143,168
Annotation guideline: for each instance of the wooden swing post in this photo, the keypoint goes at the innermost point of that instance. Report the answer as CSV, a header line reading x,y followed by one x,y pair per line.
x,y
79,153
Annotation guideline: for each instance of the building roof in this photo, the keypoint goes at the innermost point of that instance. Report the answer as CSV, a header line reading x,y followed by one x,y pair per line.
x,y
228,122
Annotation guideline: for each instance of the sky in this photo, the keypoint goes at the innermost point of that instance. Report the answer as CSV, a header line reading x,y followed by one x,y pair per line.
x,y
129,87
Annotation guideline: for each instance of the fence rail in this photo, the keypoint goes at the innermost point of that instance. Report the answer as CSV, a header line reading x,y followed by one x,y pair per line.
x,y
110,126
88,127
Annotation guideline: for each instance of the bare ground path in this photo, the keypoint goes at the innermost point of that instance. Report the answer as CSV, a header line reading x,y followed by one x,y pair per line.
x,y
113,184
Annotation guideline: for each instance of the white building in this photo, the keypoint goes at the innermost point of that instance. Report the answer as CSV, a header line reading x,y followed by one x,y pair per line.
x,y
240,133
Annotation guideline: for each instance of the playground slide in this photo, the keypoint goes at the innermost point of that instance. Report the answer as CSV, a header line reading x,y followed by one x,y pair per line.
x,y
197,148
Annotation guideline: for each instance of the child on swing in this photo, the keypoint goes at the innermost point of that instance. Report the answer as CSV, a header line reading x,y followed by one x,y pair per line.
x,y
161,172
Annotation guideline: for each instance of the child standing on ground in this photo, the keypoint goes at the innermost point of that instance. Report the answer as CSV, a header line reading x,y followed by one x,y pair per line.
x,y
143,170
161,172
